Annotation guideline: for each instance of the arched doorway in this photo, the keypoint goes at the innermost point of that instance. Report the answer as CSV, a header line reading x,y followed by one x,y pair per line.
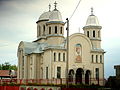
x,y
78,75
71,75
87,77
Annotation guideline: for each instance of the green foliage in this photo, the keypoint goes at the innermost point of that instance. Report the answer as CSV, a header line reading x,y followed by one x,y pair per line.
x,y
7,66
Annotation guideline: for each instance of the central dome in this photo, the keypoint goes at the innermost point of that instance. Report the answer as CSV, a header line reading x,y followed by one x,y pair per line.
x,y
45,16
92,21
55,16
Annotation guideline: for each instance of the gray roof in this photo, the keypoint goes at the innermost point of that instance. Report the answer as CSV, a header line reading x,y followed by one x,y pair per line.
x,y
35,47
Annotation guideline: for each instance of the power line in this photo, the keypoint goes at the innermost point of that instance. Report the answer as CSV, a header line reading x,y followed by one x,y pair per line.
x,y
75,9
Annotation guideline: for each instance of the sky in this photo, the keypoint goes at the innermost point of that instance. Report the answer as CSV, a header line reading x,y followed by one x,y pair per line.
x,y
18,23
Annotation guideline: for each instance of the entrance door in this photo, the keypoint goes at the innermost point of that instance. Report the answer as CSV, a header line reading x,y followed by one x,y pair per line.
x,y
79,72
71,74
87,77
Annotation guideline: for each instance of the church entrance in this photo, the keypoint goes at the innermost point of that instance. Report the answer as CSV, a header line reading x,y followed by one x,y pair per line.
x,y
87,77
71,75
78,75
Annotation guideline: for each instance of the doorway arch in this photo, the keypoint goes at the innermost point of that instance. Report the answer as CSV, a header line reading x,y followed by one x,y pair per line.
x,y
87,77
78,75
71,75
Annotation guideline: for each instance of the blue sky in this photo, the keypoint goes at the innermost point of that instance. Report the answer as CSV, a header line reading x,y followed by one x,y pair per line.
x,y
18,23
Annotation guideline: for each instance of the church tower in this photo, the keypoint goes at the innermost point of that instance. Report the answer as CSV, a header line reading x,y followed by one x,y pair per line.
x,y
55,27
92,30
41,25
50,27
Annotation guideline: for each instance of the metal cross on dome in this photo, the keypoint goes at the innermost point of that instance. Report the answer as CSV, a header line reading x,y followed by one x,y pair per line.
x,y
55,5
49,7
91,10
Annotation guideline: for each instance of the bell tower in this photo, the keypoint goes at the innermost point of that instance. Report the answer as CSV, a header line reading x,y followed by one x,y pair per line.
x,y
92,30
55,27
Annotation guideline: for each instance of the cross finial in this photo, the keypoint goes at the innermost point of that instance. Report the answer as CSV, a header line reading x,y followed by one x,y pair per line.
x,y
91,10
55,5
49,7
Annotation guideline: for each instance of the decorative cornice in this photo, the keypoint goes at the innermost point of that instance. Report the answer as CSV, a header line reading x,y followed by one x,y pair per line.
x,y
55,22
92,27
42,20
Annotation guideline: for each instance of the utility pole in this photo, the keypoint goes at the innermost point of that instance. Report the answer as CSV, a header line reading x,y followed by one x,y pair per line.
x,y
67,58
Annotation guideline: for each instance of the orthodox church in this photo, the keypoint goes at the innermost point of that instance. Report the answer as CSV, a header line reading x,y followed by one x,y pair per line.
x,y
45,58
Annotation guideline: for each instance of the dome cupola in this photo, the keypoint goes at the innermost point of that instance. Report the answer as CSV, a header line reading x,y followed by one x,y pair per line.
x,y
44,16
55,16
92,20
92,30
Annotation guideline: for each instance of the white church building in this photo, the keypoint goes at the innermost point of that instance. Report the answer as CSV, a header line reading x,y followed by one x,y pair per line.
x,y
45,58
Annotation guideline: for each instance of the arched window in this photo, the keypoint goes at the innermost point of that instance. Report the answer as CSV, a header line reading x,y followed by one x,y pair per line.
x,y
39,30
60,30
63,56
43,29
49,30
92,58
88,33
97,73
100,58
59,56
54,56
98,33
55,29
58,72
46,72
96,58
22,60
93,33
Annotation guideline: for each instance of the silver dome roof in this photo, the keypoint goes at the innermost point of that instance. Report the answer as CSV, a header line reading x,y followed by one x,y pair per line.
x,y
92,21
45,16
55,16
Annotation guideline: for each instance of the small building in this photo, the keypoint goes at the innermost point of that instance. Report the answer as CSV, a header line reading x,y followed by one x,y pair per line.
x,y
117,68
7,74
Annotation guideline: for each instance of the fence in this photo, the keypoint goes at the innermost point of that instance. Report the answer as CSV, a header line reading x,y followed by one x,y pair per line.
x,y
51,81
9,87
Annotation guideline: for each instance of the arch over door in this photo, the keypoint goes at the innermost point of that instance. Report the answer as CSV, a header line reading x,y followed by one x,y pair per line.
x,y
87,77
78,75
71,75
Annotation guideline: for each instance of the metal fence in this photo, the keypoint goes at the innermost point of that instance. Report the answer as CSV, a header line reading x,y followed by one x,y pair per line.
x,y
51,81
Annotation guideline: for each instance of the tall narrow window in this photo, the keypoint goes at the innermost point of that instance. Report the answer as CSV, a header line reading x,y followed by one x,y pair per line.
x,y
54,56
60,30
43,29
58,72
59,56
31,72
88,33
39,30
55,29
63,56
97,73
46,72
22,60
98,33
49,30
96,58
93,33
92,58
100,58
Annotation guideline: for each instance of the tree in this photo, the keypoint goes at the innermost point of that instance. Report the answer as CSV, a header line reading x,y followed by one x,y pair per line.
x,y
8,66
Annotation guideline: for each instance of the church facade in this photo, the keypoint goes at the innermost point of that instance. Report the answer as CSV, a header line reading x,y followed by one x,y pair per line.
x,y
45,58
